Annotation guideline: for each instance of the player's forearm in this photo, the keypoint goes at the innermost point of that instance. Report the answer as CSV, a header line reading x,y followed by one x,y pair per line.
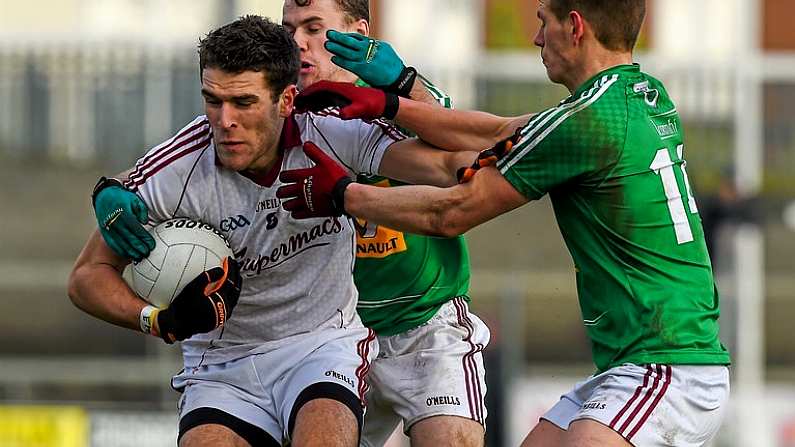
x,y
97,288
454,130
414,161
414,209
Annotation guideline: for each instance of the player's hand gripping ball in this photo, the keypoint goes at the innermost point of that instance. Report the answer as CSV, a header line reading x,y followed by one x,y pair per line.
x,y
205,304
120,217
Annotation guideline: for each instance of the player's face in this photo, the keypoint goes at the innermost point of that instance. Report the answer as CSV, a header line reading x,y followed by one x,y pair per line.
x,y
555,43
308,25
246,123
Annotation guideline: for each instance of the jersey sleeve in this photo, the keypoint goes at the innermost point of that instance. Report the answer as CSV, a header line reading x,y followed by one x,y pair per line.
x,y
558,146
438,94
160,177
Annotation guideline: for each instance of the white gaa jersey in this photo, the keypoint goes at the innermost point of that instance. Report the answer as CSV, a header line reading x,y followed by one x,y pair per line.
x,y
297,274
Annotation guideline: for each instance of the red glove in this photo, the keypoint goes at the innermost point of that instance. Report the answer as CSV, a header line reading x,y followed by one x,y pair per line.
x,y
318,191
489,157
354,102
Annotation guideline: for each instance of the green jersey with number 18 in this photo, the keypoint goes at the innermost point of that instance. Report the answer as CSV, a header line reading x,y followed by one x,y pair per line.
x,y
611,158
403,278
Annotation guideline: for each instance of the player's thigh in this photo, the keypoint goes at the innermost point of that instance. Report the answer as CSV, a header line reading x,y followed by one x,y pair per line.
x,y
325,389
544,434
325,422
447,431
589,433
212,435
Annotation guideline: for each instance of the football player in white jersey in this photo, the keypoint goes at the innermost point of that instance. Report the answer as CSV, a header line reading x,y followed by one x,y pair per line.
x,y
284,362
415,294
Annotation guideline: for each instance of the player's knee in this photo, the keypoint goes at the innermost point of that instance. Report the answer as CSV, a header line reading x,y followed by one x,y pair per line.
x,y
325,422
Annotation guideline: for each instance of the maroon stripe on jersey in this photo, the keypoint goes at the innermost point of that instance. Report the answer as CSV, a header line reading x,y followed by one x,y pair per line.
x,y
363,349
165,146
133,184
389,129
654,403
471,376
657,375
140,172
632,399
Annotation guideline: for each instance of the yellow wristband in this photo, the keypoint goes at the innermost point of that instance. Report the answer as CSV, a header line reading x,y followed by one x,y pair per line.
x,y
148,320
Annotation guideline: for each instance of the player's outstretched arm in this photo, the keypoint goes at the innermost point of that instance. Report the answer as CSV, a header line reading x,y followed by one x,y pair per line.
x,y
456,129
453,130
433,211
415,161
326,189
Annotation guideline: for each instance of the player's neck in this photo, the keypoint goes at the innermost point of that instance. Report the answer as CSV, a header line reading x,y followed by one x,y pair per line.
x,y
596,63
265,162
344,76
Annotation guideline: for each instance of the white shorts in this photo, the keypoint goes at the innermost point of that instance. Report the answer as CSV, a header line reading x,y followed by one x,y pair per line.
x,y
650,405
434,369
262,389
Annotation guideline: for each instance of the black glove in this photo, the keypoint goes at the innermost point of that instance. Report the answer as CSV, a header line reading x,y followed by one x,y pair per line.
x,y
489,157
203,305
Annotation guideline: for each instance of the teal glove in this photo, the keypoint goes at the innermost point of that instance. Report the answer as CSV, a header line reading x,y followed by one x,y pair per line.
x,y
120,216
373,61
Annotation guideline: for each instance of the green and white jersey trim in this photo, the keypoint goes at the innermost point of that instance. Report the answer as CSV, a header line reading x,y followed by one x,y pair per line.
x,y
539,126
440,96
386,302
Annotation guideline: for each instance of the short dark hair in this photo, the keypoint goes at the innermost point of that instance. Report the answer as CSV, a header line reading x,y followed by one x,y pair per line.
x,y
353,9
253,43
616,23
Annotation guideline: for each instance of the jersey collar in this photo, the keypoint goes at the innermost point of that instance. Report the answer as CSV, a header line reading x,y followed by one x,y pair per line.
x,y
289,138
618,69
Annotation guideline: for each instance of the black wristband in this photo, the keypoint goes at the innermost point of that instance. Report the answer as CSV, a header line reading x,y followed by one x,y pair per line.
x,y
404,83
104,182
391,105
338,194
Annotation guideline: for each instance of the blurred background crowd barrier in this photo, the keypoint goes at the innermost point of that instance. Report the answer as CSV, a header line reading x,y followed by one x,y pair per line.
x,y
86,86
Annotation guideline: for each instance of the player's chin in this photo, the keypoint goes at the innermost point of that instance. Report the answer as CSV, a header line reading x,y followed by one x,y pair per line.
x,y
235,162
306,79
554,75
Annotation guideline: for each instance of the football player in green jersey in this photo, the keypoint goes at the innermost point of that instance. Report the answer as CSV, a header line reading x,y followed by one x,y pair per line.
x,y
412,289
429,373
611,158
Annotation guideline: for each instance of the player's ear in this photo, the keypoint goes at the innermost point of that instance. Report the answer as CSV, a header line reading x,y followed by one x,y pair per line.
x,y
577,23
287,101
360,26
